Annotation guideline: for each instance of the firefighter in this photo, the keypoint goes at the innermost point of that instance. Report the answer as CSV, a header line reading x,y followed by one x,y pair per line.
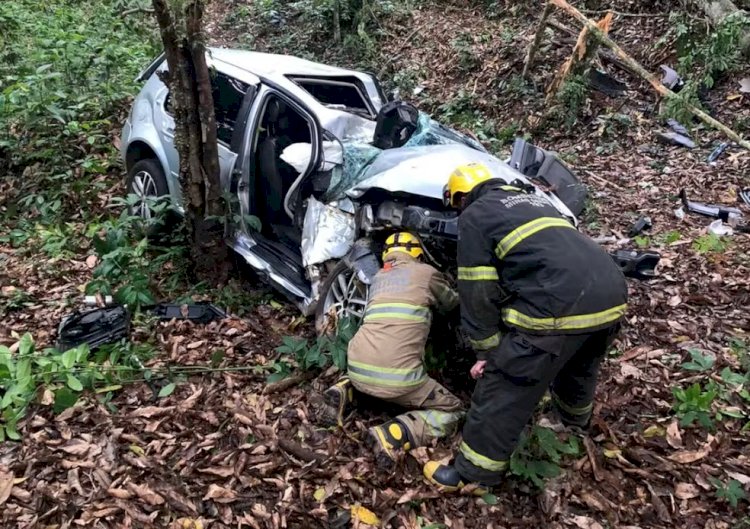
x,y
385,356
540,302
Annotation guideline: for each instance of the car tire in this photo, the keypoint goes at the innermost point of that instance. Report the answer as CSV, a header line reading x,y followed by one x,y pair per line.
x,y
146,179
341,294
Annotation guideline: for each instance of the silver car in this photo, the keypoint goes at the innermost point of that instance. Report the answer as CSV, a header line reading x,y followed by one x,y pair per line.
x,y
329,168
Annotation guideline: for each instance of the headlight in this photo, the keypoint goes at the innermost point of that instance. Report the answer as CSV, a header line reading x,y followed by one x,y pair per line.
x,y
366,219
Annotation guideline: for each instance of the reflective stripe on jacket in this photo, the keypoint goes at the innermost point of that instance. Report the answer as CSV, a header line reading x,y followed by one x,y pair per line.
x,y
522,264
388,348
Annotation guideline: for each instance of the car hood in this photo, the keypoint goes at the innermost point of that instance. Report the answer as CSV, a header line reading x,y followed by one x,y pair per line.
x,y
424,171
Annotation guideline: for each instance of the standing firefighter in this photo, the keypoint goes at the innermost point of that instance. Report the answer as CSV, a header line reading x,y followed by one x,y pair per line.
x,y
558,299
385,357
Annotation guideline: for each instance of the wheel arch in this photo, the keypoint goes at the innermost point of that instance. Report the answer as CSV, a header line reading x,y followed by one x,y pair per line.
x,y
141,149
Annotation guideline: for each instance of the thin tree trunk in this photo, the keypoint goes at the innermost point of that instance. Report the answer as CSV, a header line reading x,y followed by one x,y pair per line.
x,y
643,73
337,21
189,83
537,40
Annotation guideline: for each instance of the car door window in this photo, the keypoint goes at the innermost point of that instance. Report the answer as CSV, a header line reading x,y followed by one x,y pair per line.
x,y
228,94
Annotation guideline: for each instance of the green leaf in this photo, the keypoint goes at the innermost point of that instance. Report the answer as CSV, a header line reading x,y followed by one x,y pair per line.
x,y
68,358
23,372
11,431
167,390
732,378
489,499
275,377
217,357
74,383
64,399
26,345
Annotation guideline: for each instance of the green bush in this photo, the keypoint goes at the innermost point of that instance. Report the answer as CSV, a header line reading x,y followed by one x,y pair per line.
x,y
67,70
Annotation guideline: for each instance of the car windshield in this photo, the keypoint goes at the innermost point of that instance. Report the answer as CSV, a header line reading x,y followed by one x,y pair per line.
x,y
360,159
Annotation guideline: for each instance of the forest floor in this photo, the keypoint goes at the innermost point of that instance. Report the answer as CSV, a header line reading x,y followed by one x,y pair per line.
x,y
228,450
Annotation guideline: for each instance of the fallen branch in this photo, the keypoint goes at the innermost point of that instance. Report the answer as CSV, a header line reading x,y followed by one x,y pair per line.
x,y
286,383
537,40
642,72
299,451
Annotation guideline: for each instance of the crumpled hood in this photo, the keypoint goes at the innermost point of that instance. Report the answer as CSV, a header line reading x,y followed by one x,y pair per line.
x,y
424,171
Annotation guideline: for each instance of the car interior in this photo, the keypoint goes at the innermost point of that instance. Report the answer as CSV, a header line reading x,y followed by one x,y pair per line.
x,y
280,126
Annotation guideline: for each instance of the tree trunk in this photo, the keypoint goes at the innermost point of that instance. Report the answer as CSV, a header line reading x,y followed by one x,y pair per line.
x,y
196,141
579,61
537,40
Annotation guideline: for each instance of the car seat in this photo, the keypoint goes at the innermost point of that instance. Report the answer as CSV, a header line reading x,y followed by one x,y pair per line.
x,y
271,179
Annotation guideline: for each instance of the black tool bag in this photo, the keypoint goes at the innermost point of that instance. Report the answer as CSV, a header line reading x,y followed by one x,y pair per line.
x,y
395,124
95,327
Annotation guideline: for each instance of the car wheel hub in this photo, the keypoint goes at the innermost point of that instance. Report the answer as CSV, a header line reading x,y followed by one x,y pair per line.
x,y
347,297
144,187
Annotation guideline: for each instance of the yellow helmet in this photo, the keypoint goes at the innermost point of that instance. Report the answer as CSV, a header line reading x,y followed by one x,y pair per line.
x,y
463,180
403,242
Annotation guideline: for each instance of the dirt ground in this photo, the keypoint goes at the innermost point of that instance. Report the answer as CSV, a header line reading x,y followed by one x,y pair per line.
x,y
228,450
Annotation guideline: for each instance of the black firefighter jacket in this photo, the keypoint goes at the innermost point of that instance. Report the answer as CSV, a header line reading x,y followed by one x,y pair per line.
x,y
523,266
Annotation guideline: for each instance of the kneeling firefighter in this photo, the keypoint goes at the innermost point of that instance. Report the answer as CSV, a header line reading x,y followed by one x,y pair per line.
x,y
540,302
385,356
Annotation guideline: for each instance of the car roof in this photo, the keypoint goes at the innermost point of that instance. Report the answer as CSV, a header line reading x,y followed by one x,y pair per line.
x,y
273,66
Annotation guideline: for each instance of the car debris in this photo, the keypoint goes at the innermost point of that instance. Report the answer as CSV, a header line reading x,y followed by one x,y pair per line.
x,y
643,223
675,138
718,151
111,323
744,195
718,227
637,264
709,210
678,127
201,312
95,327
671,79
605,83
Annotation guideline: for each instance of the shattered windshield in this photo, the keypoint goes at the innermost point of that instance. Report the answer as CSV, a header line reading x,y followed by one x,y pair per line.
x,y
358,157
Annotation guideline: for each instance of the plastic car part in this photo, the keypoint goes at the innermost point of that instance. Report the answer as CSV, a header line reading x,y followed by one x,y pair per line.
x,y
709,210
94,327
202,312
673,138
636,264
671,79
363,260
744,195
643,223
547,169
718,151
605,83
395,124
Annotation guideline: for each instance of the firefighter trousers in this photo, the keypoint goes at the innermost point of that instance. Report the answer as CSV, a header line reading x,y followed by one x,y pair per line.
x,y
516,376
434,412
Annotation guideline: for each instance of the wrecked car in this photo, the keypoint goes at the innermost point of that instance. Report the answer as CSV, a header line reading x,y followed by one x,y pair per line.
x,y
328,166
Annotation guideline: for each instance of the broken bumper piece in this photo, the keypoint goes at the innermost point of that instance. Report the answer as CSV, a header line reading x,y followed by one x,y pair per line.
x,y
197,312
94,327
636,264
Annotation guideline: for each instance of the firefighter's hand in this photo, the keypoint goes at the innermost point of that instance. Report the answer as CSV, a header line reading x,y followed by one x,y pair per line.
x,y
477,370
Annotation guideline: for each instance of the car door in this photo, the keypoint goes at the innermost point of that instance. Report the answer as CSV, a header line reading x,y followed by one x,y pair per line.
x,y
230,96
247,173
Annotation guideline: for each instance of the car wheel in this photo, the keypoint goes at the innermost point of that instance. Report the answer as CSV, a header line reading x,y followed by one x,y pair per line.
x,y
342,295
146,180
